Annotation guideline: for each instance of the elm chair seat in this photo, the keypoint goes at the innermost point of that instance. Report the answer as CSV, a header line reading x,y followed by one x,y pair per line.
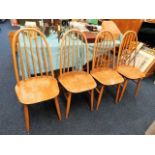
x,y
107,76
130,72
34,90
76,82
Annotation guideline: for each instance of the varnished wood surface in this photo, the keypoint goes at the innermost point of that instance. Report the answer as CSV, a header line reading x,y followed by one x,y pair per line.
x,y
130,72
77,81
31,37
104,51
107,76
129,45
72,77
32,89
104,63
26,114
11,34
123,89
128,24
73,44
35,90
112,27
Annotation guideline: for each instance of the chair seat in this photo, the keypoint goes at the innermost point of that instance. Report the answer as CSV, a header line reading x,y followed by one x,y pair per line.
x,y
36,89
130,72
107,76
77,81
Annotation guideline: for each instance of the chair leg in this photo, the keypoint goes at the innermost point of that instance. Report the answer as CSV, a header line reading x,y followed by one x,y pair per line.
x,y
100,97
92,100
68,104
123,90
26,113
118,92
137,87
57,107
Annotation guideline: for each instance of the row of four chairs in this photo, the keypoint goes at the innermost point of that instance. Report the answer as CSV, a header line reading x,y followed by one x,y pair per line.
x,y
75,73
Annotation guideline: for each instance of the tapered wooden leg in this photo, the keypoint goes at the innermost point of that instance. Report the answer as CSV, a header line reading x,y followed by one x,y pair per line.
x,y
137,87
26,113
92,100
57,107
68,104
117,94
100,97
123,89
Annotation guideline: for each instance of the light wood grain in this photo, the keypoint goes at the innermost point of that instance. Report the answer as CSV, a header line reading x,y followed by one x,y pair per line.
x,y
128,24
34,88
76,82
26,113
100,96
72,77
107,76
137,87
130,72
123,89
103,64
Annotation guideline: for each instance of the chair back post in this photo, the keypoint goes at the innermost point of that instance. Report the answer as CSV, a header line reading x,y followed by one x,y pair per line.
x,y
33,52
71,42
14,56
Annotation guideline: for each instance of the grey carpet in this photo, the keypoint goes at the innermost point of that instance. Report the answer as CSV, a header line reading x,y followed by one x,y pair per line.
x,y
132,116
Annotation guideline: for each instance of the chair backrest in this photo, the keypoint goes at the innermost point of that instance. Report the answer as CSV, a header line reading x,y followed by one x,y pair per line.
x,y
31,52
104,51
127,47
73,52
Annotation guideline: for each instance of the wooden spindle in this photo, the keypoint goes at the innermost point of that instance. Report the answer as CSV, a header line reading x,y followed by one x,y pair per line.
x,y
32,54
38,55
44,56
26,54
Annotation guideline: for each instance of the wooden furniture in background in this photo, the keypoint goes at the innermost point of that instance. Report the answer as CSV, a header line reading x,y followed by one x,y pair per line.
x,y
128,24
111,27
152,21
127,47
72,75
90,36
103,65
37,88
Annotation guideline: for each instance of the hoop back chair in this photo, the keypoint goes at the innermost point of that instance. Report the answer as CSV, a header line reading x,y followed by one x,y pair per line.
x,y
74,60
103,64
31,47
127,59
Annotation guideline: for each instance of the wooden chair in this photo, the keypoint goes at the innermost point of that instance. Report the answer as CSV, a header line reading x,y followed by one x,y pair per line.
x,y
73,56
103,64
124,67
31,89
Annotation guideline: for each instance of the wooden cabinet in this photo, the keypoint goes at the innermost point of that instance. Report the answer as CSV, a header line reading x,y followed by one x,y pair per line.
x,y
128,24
